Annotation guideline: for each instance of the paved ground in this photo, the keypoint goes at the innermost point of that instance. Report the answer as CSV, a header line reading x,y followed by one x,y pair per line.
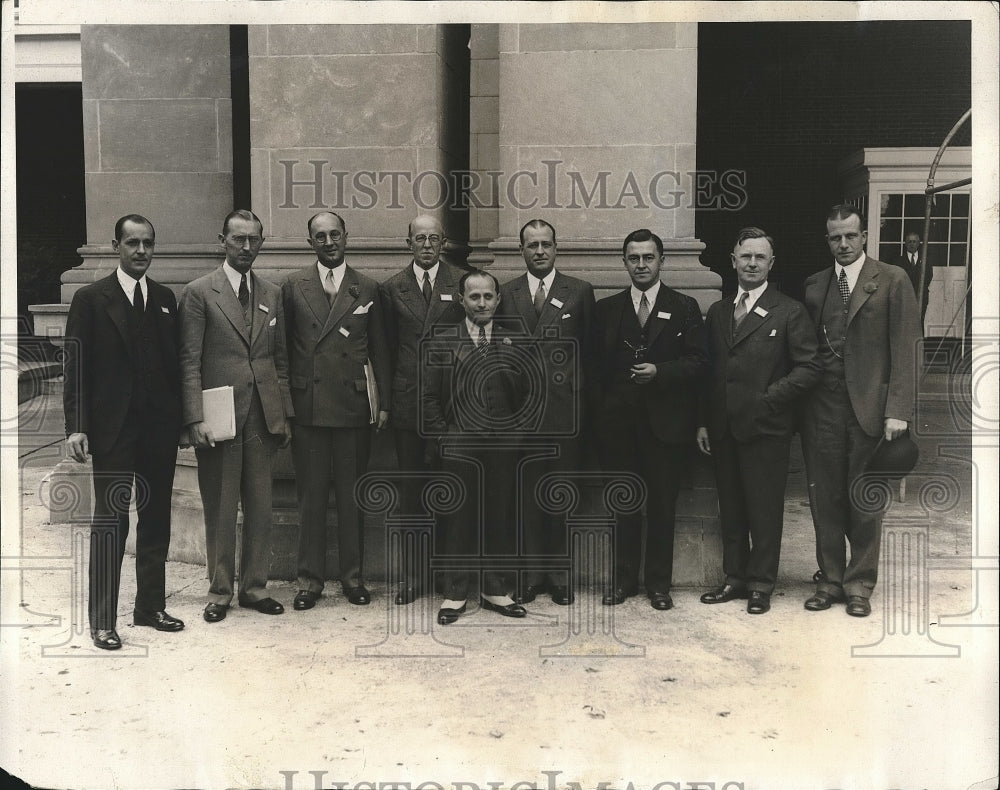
x,y
904,699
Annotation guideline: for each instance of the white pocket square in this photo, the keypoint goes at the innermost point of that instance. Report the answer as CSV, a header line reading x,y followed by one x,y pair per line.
x,y
773,333
567,315
272,322
362,309
664,316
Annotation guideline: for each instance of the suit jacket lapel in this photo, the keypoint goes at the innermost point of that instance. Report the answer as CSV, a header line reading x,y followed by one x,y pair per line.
x,y
822,288
229,304
655,323
116,306
443,284
313,293
560,292
259,319
861,293
343,302
411,295
523,305
754,320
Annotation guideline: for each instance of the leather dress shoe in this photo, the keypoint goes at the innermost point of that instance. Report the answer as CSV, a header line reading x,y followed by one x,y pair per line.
x,y
529,593
106,638
758,603
358,595
407,594
449,616
858,606
661,601
304,599
821,601
507,610
563,596
616,596
215,612
161,621
264,606
727,592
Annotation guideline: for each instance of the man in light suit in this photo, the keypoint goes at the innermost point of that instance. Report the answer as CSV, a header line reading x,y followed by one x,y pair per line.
x,y
867,329
653,358
336,343
911,263
762,353
557,312
233,334
472,394
122,405
422,295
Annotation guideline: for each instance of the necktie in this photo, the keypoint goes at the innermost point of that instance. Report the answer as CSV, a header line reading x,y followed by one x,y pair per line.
x,y
482,344
741,310
643,311
330,287
137,304
845,292
244,294
539,300
426,289
913,258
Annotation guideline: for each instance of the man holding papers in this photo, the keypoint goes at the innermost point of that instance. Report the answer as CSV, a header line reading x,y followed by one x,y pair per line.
x,y
233,335
336,347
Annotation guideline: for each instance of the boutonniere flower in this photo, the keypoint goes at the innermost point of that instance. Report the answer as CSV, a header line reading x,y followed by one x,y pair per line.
x,y
354,291
507,341
871,288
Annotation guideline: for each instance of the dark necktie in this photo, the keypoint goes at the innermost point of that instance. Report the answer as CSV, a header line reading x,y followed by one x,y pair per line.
x,y
845,292
482,345
137,304
426,289
539,300
330,287
741,310
244,295
643,311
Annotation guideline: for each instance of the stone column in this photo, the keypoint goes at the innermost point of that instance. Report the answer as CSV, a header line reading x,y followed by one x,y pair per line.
x,y
157,122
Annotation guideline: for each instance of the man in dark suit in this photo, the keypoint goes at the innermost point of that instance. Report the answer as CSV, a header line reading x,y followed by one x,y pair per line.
x,y
557,312
422,295
337,345
472,395
867,329
762,354
653,358
233,334
122,405
911,263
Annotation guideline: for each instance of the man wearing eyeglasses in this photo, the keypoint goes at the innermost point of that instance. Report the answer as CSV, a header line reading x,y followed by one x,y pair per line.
x,y
233,335
867,329
423,294
339,375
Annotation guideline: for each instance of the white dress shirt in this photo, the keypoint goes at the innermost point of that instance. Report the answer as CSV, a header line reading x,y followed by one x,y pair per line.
x,y
853,271
651,294
128,286
754,295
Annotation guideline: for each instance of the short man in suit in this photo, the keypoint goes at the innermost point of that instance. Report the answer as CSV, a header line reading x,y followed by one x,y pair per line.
x,y
233,334
653,359
557,312
122,406
422,295
336,343
762,352
867,328
472,396
911,262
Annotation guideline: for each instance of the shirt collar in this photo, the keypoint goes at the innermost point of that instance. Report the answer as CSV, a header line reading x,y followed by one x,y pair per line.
x,y
234,277
651,294
338,272
755,294
473,328
548,279
128,284
418,272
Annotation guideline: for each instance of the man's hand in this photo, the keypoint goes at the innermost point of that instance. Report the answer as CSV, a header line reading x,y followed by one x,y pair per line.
x,y
285,434
201,435
643,373
78,447
383,419
702,438
894,428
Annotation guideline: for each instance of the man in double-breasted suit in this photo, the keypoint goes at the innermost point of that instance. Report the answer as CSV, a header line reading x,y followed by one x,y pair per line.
x,y
911,263
762,354
233,334
557,313
336,343
422,295
122,406
652,361
867,329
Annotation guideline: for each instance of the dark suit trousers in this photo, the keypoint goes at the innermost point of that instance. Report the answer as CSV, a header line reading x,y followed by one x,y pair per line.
x,y
751,479
234,471
544,536
322,454
482,527
146,453
660,465
410,450
836,451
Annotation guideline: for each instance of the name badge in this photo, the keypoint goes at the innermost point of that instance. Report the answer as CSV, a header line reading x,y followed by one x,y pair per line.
x,y
165,310
760,311
263,307
446,297
556,302
343,331
664,316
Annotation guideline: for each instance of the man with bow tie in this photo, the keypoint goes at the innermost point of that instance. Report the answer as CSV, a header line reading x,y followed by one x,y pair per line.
x,y
653,358
867,330
424,294
557,312
336,345
233,334
762,353
911,263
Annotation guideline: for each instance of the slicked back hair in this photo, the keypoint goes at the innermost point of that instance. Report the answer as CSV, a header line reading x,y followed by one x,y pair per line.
x,y
138,219
753,233
241,213
642,235
538,224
